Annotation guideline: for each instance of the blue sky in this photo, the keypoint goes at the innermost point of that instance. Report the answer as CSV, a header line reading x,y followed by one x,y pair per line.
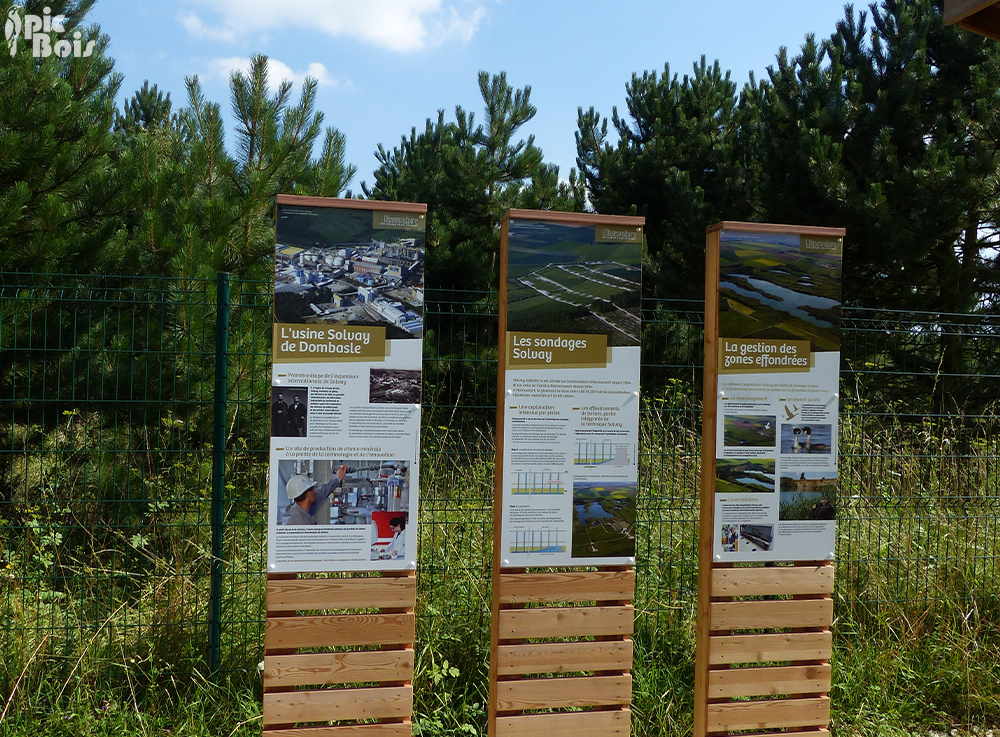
x,y
385,66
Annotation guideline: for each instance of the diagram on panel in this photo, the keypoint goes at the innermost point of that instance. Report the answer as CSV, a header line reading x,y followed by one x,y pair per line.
x,y
546,540
600,453
538,482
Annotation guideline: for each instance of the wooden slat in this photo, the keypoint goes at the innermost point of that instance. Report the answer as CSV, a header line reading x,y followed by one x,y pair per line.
x,y
733,615
294,199
563,657
956,10
802,732
314,669
560,693
525,588
337,630
790,679
706,503
577,724
566,622
728,649
394,729
736,225
772,581
769,714
986,23
395,592
288,707
573,218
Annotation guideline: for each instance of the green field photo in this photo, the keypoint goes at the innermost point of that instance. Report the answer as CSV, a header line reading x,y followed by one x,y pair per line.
x,y
559,280
769,288
739,476
749,431
604,519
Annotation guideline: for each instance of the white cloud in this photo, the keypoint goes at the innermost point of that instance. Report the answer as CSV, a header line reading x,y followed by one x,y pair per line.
x,y
197,28
398,25
276,71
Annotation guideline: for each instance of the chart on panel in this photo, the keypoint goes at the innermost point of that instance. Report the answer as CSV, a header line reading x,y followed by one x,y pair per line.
x,y
546,540
603,452
538,482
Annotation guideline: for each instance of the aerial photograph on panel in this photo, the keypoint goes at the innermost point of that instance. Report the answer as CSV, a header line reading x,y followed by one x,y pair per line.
x,y
333,265
560,280
771,285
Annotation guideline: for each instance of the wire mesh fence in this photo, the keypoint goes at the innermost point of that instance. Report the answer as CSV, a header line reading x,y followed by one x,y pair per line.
x,y
112,414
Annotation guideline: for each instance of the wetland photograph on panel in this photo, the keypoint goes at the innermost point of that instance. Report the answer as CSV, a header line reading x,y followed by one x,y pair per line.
x,y
778,286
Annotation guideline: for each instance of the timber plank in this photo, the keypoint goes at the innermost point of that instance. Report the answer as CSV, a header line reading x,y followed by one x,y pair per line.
x,y
790,679
560,693
772,713
570,586
294,199
289,707
566,622
740,615
772,581
310,669
337,630
986,22
728,649
563,657
396,592
395,729
958,10
576,724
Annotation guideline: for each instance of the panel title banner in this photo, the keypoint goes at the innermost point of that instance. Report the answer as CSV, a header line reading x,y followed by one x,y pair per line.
x,y
547,350
307,344
742,356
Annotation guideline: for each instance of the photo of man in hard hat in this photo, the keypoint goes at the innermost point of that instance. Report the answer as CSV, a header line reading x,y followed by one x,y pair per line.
x,y
306,495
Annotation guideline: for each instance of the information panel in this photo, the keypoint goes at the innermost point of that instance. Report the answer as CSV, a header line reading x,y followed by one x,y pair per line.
x,y
779,297
569,410
345,388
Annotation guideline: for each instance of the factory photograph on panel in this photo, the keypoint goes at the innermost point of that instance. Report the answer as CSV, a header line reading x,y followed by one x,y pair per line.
x,y
333,266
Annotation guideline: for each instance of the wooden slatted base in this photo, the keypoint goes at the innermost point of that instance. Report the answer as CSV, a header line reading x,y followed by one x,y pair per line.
x,y
529,676
342,680
790,667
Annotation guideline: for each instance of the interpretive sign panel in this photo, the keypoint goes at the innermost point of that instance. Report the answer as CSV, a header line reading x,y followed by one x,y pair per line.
x,y
778,372
346,378
569,410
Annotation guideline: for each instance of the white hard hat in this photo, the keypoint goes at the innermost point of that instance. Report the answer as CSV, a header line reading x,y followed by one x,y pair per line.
x,y
297,486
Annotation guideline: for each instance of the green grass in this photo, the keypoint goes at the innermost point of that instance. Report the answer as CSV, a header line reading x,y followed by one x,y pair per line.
x,y
105,632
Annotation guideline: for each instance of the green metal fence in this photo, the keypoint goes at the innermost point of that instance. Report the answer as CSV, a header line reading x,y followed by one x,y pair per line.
x,y
133,459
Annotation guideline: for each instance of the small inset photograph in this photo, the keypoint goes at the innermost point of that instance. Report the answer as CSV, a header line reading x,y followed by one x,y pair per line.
x,y
730,538
808,496
289,411
756,538
749,431
744,476
604,519
348,491
394,386
801,438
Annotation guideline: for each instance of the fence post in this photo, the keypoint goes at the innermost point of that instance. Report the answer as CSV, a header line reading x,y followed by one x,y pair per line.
x,y
218,473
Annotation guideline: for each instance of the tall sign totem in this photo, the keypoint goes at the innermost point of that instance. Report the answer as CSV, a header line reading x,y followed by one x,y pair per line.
x,y
566,473
769,477
344,465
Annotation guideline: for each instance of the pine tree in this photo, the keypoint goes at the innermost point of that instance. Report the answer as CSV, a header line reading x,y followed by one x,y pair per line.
x,y
470,175
58,190
678,161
